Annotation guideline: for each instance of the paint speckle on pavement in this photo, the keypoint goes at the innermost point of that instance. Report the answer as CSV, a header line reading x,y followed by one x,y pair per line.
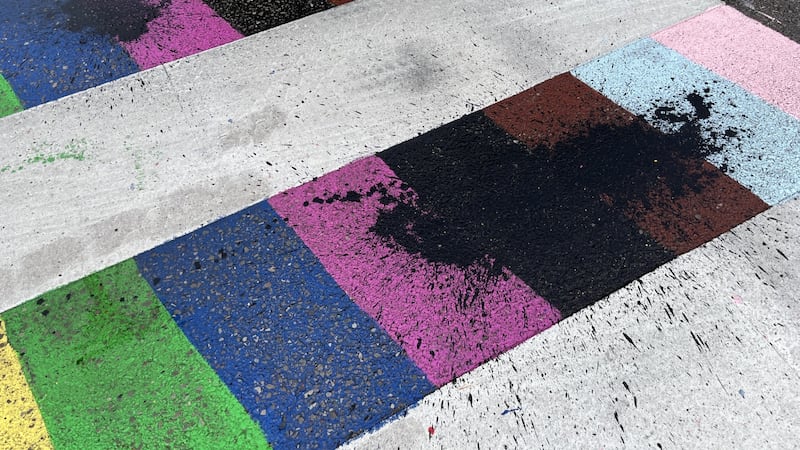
x,y
730,44
451,307
758,142
9,103
311,368
110,369
183,28
21,423
538,214
253,16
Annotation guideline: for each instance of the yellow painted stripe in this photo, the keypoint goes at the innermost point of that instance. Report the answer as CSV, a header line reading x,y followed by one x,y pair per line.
x,y
21,424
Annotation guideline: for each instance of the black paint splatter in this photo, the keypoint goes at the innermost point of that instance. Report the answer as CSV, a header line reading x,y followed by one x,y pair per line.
x,y
703,140
552,215
426,234
350,196
538,213
125,19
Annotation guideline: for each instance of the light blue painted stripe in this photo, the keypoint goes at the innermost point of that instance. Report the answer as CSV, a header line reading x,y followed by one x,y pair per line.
x,y
764,155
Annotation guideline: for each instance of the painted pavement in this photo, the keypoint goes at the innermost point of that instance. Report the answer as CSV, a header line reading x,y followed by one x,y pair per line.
x,y
456,266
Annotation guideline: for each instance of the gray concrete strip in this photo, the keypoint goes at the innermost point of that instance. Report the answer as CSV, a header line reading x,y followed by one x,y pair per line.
x,y
702,353
100,176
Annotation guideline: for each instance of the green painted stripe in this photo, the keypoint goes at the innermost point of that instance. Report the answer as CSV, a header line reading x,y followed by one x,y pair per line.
x,y
9,103
110,369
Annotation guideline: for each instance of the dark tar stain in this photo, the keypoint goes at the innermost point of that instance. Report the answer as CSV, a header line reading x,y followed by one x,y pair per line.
x,y
124,19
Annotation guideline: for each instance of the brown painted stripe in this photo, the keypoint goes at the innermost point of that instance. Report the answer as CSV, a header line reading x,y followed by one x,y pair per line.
x,y
557,109
684,221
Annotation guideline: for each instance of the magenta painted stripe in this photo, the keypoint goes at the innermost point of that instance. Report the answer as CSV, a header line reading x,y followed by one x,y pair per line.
x,y
449,319
742,50
184,28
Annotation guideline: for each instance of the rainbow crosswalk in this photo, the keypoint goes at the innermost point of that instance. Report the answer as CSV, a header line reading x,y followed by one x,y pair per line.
x,y
411,274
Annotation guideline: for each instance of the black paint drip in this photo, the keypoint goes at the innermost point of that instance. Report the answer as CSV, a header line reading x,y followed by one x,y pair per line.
x,y
124,19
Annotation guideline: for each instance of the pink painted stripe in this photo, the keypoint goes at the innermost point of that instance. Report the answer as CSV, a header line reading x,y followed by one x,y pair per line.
x,y
742,50
184,28
448,319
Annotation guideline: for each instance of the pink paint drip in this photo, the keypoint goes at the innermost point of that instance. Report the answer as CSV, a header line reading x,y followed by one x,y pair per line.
x,y
742,50
414,300
184,28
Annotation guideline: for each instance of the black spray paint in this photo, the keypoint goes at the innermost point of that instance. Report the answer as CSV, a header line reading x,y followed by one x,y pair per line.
x,y
698,141
538,213
125,19
553,215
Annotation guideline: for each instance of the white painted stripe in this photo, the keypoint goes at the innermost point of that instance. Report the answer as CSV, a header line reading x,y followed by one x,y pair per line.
x,y
582,384
173,148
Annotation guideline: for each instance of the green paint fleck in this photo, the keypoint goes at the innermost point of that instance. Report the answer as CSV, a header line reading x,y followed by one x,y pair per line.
x,y
48,153
110,369
9,102
142,160
73,150
138,169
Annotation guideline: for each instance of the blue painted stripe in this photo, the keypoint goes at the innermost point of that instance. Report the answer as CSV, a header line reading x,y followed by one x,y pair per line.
x,y
43,60
309,365
761,149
